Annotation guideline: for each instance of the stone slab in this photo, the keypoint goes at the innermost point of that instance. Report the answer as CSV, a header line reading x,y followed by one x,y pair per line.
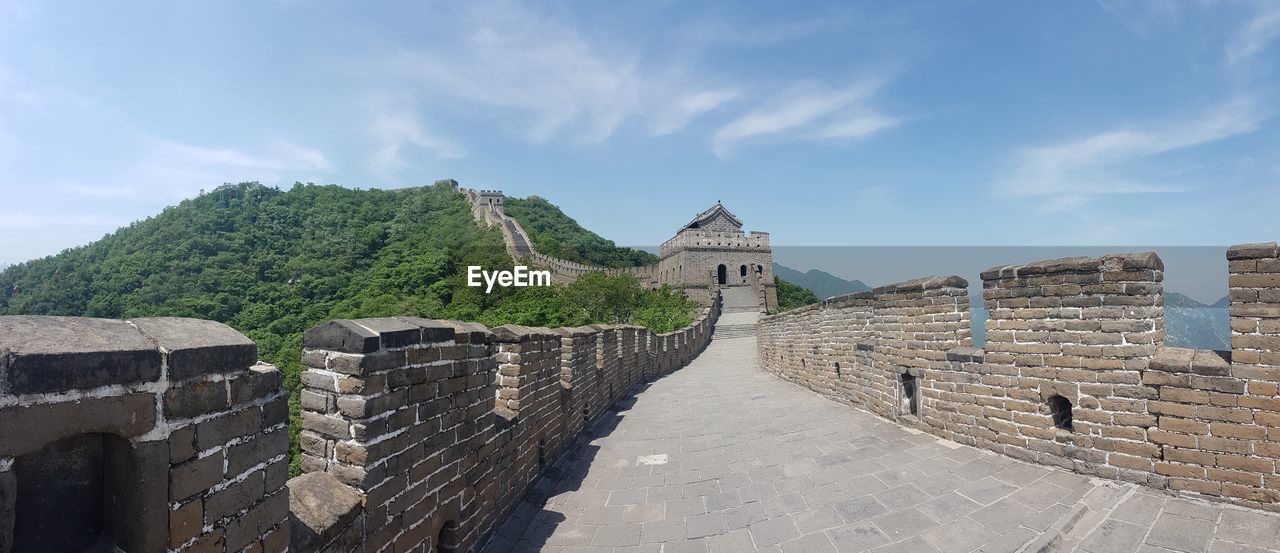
x,y
55,354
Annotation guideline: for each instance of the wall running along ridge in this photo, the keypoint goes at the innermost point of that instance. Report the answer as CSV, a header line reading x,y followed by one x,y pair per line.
x,y
1088,331
520,247
688,261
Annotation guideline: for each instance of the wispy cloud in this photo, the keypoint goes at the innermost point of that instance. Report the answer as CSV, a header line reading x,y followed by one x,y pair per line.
x,y
1071,172
543,79
530,66
394,125
1143,17
172,170
28,221
675,115
1066,175
808,110
1260,30
278,156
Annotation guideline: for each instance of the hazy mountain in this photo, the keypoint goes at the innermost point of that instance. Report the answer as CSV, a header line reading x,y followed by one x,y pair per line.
x,y
1178,299
1191,324
823,284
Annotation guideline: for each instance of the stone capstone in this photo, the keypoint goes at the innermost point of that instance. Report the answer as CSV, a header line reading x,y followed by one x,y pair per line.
x,y
197,347
320,508
55,354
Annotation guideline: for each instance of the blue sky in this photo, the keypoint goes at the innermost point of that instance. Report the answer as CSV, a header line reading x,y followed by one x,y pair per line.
x,y
875,123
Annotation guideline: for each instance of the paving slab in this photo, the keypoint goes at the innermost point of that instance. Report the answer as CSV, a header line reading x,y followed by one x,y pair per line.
x,y
722,457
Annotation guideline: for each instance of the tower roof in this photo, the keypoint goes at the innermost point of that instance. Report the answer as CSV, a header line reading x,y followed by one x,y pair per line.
x,y
706,216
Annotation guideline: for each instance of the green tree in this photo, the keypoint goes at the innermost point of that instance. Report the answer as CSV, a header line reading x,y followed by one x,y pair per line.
x,y
556,234
791,296
272,263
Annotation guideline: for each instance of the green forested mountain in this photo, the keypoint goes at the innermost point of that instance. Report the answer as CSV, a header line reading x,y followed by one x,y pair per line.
x,y
272,263
791,296
558,235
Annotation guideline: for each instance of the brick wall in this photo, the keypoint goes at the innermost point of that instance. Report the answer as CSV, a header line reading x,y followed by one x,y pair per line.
x,y
1079,337
856,348
187,430
441,428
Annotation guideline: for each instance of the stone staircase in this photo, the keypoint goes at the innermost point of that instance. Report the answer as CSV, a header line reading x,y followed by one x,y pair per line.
x,y
739,314
523,249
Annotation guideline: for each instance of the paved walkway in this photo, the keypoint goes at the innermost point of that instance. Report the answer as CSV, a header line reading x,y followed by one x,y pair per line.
x,y
721,457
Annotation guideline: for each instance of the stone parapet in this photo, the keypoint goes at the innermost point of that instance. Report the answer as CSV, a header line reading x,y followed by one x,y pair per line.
x,y
441,427
1074,373
1255,307
170,420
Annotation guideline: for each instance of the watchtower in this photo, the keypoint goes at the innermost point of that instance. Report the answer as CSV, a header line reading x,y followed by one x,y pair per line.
x,y
491,199
712,249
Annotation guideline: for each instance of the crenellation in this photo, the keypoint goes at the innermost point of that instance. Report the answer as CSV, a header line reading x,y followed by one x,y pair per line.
x,y
446,426
1074,373
190,429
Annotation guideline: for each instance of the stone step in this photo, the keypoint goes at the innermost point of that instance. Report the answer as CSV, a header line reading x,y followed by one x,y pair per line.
x,y
728,331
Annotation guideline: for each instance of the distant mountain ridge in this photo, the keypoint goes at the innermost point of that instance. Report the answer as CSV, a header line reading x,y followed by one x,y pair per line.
x,y
1178,299
823,284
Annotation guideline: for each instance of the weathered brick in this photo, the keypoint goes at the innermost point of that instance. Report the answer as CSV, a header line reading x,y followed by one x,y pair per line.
x,y
224,428
195,476
195,398
254,524
185,522
245,455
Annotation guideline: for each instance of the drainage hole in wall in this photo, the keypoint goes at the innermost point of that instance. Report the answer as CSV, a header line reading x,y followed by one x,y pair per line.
x,y
1060,408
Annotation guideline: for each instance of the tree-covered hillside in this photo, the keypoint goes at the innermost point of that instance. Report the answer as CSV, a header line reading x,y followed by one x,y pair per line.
x,y
273,263
791,296
558,235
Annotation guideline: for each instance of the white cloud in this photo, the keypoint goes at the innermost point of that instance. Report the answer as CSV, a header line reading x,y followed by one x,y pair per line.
x,y
1069,173
858,125
808,110
677,114
1259,31
171,170
393,125
1066,175
544,79
279,156
511,59
28,221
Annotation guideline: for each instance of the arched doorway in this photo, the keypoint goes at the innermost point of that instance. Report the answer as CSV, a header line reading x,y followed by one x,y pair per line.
x,y
722,276
742,271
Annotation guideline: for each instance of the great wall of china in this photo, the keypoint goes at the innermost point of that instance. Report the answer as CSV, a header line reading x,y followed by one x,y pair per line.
x,y
1074,373
431,436
709,251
